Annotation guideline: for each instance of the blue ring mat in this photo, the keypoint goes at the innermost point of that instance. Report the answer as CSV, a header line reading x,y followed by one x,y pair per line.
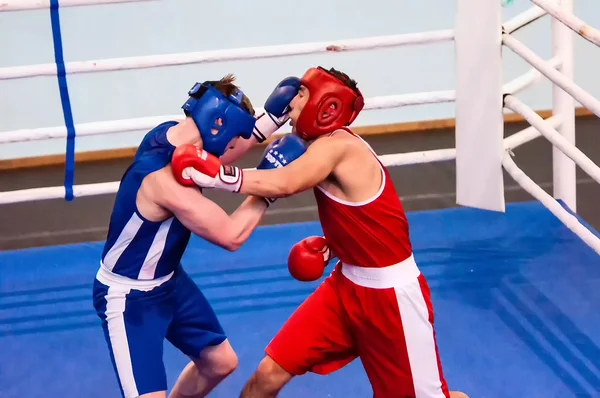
x,y
515,298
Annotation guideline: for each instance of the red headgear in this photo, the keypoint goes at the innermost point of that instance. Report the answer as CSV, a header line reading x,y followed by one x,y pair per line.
x,y
330,95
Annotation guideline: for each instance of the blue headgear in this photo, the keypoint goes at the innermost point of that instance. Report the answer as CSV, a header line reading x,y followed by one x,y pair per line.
x,y
206,104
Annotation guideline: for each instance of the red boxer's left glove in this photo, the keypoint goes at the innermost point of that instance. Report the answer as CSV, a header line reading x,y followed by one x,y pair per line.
x,y
308,258
193,166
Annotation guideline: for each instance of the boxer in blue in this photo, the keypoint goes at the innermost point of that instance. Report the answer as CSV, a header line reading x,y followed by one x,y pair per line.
x,y
141,292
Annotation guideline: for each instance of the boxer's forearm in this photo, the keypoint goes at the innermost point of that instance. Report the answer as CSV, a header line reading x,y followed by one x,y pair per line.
x,y
304,173
245,220
277,183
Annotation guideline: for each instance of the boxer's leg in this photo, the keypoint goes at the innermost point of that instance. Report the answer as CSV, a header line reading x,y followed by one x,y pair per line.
x,y
203,374
135,323
196,331
268,379
396,339
314,339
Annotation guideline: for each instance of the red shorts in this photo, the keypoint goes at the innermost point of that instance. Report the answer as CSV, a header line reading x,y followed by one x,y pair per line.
x,y
382,315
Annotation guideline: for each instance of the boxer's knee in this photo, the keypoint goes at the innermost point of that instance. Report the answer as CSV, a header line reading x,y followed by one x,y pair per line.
x,y
220,361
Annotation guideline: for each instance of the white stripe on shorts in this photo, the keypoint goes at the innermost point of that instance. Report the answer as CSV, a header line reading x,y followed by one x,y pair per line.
x,y
115,306
420,342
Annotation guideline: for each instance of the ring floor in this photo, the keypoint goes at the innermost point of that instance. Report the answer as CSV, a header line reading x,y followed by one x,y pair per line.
x,y
515,295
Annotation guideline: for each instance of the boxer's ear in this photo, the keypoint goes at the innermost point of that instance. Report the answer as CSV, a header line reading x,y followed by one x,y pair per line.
x,y
331,110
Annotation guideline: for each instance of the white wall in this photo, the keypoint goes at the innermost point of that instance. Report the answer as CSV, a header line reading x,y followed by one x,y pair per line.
x,y
169,26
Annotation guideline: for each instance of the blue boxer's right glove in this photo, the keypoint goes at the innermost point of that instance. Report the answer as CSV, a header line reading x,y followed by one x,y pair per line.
x,y
276,108
280,153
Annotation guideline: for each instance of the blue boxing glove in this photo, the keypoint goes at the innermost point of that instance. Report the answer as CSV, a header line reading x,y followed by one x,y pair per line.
x,y
280,153
276,108
278,102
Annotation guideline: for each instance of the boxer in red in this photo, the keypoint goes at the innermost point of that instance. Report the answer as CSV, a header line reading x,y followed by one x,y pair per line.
x,y
376,304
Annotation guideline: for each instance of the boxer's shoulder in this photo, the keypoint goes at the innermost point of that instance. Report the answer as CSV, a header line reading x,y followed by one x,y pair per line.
x,y
338,143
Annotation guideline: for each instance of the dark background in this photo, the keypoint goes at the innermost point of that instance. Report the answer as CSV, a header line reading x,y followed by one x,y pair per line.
x,y
422,187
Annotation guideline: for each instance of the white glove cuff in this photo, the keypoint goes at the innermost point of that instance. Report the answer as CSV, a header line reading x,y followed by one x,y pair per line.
x,y
267,124
229,178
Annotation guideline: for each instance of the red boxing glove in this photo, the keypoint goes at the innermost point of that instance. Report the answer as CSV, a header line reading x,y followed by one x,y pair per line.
x,y
308,258
193,166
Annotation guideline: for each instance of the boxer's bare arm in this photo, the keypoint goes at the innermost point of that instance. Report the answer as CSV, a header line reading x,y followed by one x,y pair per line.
x,y
204,217
313,167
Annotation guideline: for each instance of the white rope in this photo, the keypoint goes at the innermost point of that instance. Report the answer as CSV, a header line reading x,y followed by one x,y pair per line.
x,y
33,194
528,79
87,129
554,75
397,101
399,159
21,5
523,19
554,137
146,123
28,195
528,134
575,24
551,204
152,61
403,159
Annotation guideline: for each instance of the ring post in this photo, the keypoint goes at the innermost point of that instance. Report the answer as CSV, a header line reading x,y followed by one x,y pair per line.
x,y
479,110
563,106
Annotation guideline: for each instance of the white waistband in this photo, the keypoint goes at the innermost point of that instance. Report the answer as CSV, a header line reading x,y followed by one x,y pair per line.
x,y
383,278
109,278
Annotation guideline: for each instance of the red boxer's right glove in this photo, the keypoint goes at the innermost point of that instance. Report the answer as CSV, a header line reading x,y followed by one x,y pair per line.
x,y
308,258
193,166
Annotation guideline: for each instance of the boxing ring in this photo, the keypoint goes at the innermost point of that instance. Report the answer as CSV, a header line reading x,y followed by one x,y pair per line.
x,y
514,299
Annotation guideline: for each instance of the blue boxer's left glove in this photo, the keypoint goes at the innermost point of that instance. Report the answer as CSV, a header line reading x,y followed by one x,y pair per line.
x,y
279,100
280,153
276,108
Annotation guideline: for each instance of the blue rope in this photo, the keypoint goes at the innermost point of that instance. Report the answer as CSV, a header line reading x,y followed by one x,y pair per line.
x,y
64,98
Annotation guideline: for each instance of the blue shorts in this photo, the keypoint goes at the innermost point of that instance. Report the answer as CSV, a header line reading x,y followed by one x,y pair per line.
x,y
137,317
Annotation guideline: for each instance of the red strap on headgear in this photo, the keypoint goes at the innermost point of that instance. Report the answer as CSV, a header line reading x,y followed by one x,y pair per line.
x,y
330,106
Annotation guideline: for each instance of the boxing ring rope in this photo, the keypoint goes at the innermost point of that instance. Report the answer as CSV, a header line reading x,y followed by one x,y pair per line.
x,y
523,19
571,21
551,204
553,136
237,54
545,127
551,73
401,159
145,123
440,155
25,195
24,5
